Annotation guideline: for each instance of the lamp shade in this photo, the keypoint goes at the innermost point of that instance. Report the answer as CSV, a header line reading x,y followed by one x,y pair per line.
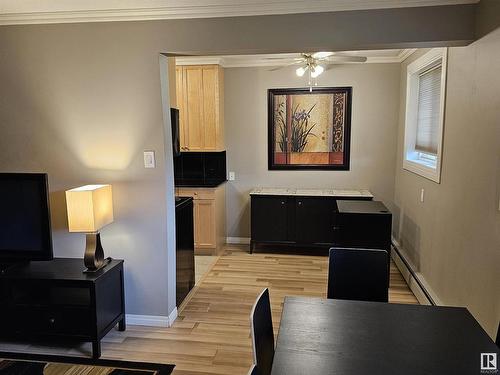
x,y
90,208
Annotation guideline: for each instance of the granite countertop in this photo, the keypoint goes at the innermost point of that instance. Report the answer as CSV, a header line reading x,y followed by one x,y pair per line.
x,y
313,192
199,183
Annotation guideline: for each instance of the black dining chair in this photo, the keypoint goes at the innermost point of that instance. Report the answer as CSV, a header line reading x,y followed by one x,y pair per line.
x,y
497,341
358,274
254,370
262,333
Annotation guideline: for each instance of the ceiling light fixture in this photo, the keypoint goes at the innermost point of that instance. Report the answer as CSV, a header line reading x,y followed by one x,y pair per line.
x,y
316,71
301,71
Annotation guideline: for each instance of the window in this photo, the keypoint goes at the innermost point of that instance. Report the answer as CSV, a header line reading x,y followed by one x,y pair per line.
x,y
425,98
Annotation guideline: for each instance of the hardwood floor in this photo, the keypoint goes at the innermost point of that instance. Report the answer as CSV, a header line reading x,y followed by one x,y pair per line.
x,y
212,332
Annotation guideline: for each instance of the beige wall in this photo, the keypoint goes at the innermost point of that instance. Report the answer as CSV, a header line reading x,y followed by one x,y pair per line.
x,y
83,109
373,139
453,238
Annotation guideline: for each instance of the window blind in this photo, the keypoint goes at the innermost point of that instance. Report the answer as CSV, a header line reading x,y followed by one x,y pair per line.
x,y
429,94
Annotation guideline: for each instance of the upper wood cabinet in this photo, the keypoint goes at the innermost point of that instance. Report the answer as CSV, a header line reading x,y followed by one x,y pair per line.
x,y
200,98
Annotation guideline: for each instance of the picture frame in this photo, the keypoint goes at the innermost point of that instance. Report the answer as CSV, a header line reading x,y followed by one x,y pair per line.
x,y
309,129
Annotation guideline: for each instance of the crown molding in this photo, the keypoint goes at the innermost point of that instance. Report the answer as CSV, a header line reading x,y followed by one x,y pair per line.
x,y
15,12
247,61
405,53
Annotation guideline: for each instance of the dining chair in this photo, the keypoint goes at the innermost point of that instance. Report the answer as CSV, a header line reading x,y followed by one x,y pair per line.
x,y
497,341
254,370
262,333
358,274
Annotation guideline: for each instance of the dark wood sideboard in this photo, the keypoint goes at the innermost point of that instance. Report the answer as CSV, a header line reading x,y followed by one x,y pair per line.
x,y
55,300
295,219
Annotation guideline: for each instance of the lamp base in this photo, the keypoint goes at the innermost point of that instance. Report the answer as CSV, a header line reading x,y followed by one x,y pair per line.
x,y
94,254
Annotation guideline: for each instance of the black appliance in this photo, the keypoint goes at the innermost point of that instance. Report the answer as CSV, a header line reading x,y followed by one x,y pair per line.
x,y
200,169
184,247
25,233
176,143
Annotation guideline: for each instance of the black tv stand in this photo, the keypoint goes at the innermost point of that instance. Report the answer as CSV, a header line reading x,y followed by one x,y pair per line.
x,y
55,301
6,267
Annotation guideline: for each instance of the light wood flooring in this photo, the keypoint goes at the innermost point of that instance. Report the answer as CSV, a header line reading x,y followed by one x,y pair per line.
x,y
212,332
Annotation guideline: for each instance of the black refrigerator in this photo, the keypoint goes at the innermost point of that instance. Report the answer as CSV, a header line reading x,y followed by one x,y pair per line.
x,y
184,247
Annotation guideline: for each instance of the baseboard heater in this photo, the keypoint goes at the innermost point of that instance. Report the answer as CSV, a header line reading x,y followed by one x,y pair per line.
x,y
410,269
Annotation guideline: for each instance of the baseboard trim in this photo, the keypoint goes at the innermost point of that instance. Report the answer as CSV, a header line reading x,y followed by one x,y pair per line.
x,y
152,320
238,240
416,282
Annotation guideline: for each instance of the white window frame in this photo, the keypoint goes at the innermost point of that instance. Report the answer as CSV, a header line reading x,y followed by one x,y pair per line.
x,y
425,165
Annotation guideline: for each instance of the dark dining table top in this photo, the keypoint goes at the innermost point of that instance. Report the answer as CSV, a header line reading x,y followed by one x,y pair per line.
x,y
334,337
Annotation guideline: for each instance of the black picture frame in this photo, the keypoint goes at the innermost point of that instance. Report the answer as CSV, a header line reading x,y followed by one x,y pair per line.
x,y
345,165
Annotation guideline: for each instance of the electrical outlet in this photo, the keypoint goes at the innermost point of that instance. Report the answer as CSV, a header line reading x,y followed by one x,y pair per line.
x,y
422,195
232,176
149,159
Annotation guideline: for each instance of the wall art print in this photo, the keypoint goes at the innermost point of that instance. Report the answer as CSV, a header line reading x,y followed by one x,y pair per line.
x,y
309,130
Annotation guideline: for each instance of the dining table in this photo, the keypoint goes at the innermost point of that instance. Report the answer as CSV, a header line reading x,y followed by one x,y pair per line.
x,y
342,337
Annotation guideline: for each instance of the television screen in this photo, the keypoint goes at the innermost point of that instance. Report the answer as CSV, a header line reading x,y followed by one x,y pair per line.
x,y
24,217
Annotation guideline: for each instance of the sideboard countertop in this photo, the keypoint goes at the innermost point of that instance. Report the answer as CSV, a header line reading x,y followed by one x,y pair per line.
x,y
347,193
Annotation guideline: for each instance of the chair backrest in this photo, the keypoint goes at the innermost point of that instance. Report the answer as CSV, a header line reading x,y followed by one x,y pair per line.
x,y
253,370
262,333
497,341
358,274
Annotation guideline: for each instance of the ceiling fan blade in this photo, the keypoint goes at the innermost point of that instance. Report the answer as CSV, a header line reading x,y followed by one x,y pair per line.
x,y
285,66
322,55
283,58
337,58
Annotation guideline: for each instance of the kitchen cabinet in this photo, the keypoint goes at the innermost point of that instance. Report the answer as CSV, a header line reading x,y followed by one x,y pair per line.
x,y
200,98
209,218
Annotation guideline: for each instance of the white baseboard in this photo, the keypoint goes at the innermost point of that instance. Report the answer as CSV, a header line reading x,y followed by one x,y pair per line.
x,y
152,320
238,240
411,279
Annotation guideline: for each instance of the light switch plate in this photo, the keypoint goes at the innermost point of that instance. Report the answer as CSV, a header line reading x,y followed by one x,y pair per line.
x,y
149,159
232,176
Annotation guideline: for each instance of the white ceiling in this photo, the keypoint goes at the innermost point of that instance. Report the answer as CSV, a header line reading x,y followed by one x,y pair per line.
x,y
65,11
236,61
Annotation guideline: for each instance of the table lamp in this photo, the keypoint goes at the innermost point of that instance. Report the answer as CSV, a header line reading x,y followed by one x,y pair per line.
x,y
90,208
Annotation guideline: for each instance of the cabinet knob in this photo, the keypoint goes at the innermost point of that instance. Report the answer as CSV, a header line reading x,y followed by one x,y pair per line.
x,y
52,320
300,203
282,203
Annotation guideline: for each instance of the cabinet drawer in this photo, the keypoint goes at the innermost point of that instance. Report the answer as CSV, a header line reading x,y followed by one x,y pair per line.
x,y
201,193
65,321
47,294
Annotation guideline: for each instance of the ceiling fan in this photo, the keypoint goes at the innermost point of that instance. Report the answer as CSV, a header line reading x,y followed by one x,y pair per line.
x,y
314,63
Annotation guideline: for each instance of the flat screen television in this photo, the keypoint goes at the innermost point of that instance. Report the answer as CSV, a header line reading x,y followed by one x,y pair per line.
x,y
25,232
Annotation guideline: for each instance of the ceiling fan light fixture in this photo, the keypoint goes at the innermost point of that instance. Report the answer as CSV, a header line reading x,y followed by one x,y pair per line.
x,y
301,71
317,70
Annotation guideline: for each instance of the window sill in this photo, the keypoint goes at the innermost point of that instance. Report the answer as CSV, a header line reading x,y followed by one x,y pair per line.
x,y
426,169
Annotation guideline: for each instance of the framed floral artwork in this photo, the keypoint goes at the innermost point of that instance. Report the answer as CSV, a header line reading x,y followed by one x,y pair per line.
x,y
309,130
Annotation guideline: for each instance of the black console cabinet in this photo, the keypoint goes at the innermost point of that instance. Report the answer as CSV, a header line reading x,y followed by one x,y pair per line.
x,y
55,300
294,220
364,225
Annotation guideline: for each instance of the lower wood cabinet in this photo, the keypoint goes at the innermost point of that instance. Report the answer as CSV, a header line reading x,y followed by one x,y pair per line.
x,y
294,220
209,218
